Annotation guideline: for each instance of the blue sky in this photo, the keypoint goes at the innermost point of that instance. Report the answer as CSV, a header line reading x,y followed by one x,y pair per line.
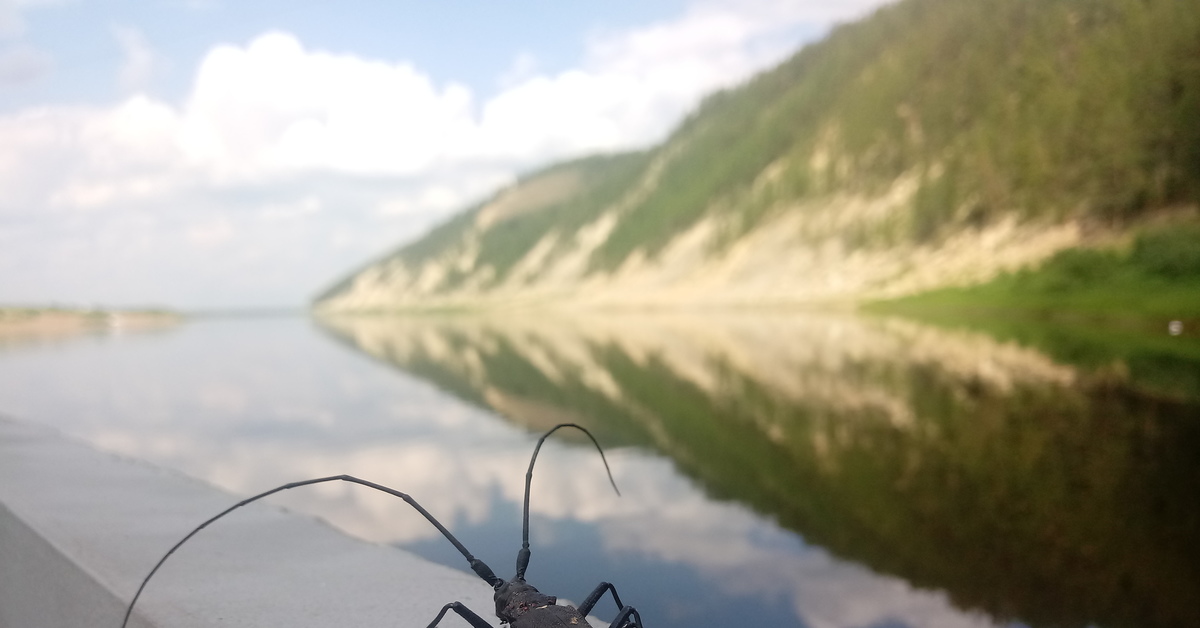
x,y
471,42
215,154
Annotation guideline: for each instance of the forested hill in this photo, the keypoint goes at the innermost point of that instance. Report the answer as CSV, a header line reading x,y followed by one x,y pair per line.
x,y
935,142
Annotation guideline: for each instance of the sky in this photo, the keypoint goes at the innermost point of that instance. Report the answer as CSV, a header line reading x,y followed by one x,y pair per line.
x,y
212,154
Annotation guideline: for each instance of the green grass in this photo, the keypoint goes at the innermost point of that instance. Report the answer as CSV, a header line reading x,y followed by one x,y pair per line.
x,y
1096,309
1157,280
1129,300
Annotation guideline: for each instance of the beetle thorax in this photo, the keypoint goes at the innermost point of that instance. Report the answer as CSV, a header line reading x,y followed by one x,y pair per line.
x,y
517,597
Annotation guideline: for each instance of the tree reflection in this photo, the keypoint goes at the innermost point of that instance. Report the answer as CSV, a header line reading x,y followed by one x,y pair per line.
x,y
1022,487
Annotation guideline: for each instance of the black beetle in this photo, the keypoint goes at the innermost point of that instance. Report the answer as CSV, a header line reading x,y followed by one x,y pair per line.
x,y
518,603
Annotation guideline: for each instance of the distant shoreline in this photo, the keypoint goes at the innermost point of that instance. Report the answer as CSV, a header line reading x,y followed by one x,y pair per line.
x,y
53,322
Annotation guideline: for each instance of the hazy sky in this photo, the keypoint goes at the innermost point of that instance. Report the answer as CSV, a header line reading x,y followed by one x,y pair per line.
x,y
221,153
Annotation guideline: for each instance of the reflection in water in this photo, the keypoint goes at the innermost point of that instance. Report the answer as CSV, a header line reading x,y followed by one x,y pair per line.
x,y
775,470
252,404
1021,487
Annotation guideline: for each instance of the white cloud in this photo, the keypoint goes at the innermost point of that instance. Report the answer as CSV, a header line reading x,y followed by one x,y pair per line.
x,y
211,232
120,155
634,85
382,145
274,106
436,197
293,209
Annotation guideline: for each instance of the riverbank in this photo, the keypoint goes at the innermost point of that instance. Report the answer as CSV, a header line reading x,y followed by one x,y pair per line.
x,y
17,323
1132,313
1152,282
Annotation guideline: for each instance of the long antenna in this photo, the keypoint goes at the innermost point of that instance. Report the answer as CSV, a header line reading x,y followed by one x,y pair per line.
x,y
523,555
479,567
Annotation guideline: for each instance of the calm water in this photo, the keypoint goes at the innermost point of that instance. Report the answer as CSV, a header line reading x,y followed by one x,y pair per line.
x,y
821,471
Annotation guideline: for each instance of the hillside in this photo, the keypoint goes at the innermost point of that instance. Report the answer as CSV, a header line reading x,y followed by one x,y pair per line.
x,y
935,143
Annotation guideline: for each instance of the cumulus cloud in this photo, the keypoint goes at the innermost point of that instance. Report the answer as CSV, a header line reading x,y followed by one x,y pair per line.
x,y
384,147
273,106
632,86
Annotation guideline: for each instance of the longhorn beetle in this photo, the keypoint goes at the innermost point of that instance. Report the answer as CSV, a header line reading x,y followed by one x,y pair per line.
x,y
518,603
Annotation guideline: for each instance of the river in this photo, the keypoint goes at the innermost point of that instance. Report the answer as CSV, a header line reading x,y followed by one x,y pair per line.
x,y
775,469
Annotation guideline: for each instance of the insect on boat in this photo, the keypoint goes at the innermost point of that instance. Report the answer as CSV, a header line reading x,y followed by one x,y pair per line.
x,y
518,603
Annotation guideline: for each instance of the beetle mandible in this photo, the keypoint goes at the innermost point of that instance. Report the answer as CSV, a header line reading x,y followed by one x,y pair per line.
x,y
518,603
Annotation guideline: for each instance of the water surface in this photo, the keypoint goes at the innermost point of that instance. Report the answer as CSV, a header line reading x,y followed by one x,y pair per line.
x,y
785,470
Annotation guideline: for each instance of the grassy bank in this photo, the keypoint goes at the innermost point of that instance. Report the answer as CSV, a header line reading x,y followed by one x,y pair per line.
x,y
1154,281
1133,313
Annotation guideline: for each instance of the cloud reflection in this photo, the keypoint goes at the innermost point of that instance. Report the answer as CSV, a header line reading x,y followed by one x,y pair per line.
x,y
250,407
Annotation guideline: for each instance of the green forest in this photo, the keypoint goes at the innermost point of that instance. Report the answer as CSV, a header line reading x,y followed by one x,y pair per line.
x,y
1048,109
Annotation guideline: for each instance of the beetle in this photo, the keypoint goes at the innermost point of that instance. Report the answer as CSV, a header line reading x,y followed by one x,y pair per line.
x,y
518,603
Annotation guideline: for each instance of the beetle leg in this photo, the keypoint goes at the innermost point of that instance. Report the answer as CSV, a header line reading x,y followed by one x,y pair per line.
x,y
624,614
586,608
623,618
464,612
